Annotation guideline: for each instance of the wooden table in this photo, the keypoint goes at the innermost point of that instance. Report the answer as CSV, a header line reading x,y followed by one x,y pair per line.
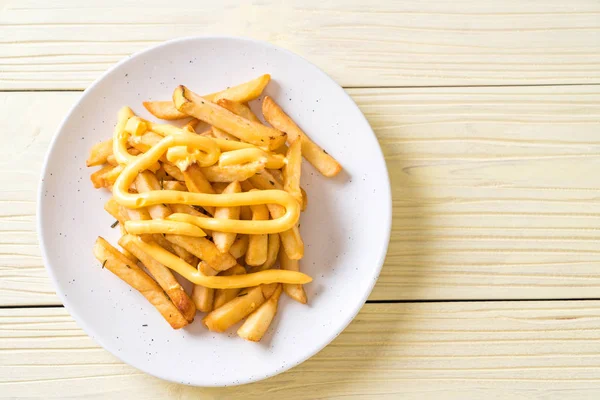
x,y
489,116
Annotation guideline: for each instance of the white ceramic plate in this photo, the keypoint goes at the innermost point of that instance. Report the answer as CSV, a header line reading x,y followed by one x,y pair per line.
x,y
346,227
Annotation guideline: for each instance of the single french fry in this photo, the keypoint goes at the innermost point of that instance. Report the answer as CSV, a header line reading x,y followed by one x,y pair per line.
x,y
111,160
268,289
144,142
218,133
164,110
197,182
252,132
164,277
257,323
258,244
230,313
114,209
99,153
136,126
319,158
231,173
205,250
222,296
145,182
191,126
277,174
240,109
174,172
203,296
97,176
244,92
272,253
174,185
296,292
239,247
292,170
290,239
264,180
224,240
218,187
118,264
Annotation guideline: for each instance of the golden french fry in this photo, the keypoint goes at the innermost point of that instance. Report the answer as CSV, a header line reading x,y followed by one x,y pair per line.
x,y
111,160
164,110
258,244
239,108
272,253
114,209
292,170
222,296
174,172
277,174
232,173
197,182
290,239
218,133
144,142
244,92
252,132
224,240
133,275
99,153
230,313
136,126
174,185
145,182
319,158
203,296
264,180
218,187
105,176
296,292
304,203
257,323
191,126
205,250
239,247
164,277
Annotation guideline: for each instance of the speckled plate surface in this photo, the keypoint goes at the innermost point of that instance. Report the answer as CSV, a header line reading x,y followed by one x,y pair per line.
x,y
346,227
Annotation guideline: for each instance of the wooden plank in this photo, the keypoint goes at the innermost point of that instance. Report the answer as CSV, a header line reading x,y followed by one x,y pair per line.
x,y
66,44
496,191
524,350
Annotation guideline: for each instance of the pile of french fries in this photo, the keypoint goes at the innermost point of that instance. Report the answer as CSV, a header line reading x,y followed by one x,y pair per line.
x,y
253,157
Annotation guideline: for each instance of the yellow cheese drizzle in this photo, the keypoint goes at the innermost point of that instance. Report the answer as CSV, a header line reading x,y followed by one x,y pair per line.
x,y
219,282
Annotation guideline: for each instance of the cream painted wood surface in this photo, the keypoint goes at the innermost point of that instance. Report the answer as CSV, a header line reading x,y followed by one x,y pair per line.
x,y
66,44
498,350
496,191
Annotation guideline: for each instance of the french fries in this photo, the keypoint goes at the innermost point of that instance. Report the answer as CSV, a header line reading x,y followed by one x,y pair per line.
x,y
205,250
244,92
224,240
222,296
118,264
170,183
272,253
296,292
190,103
197,182
291,171
232,173
232,312
258,244
164,110
258,322
319,158
239,108
202,295
164,277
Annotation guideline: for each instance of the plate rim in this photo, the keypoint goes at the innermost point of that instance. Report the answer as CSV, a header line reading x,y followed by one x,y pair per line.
x,y
81,322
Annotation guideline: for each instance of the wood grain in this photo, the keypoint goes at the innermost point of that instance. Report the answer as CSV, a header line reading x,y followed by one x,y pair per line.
x,y
66,44
517,350
496,191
